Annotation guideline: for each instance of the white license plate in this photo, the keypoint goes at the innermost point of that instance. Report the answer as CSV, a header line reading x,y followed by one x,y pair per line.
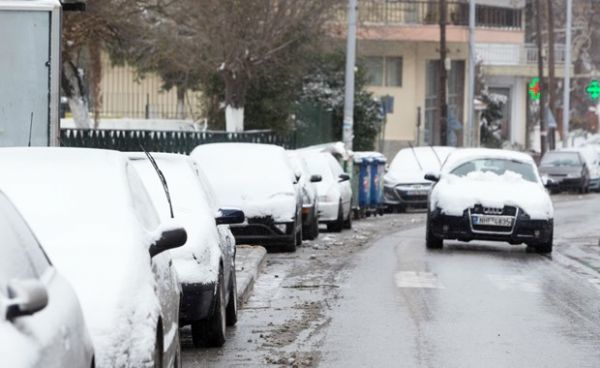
x,y
485,220
417,192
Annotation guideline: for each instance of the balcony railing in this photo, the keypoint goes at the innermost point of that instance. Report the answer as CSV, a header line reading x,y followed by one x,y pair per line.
x,y
423,12
511,55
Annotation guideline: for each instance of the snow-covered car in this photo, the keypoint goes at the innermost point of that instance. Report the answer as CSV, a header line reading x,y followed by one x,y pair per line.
x,y
404,184
308,188
566,170
259,180
206,263
93,216
485,194
41,323
334,189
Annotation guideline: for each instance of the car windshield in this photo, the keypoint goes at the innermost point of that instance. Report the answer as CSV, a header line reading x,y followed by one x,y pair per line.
x,y
561,159
496,166
418,159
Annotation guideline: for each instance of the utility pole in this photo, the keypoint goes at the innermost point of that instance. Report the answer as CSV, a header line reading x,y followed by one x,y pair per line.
x,y
471,93
567,81
348,125
551,73
443,103
538,38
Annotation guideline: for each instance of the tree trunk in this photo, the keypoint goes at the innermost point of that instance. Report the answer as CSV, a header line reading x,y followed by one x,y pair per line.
x,y
180,112
236,87
551,73
73,87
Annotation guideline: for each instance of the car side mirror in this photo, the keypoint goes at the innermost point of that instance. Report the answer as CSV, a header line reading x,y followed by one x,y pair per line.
x,y
170,238
230,216
344,177
316,179
434,177
26,297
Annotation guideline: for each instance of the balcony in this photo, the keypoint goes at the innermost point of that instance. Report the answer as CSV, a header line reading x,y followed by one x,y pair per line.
x,y
411,13
492,54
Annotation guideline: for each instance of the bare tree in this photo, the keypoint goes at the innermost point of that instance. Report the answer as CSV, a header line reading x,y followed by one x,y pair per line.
x,y
240,39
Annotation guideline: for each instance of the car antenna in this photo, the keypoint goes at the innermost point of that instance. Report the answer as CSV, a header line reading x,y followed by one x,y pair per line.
x,y
162,178
415,154
436,155
30,129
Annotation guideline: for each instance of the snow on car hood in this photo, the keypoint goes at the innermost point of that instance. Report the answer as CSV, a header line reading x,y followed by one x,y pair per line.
x,y
410,177
454,194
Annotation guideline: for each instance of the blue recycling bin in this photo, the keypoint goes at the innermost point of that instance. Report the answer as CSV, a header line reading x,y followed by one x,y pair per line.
x,y
361,184
377,168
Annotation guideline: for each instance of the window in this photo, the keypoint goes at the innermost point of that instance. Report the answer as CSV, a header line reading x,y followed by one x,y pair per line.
x,y
142,204
384,71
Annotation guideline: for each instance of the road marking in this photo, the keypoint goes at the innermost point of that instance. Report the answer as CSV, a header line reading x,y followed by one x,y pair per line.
x,y
515,282
416,279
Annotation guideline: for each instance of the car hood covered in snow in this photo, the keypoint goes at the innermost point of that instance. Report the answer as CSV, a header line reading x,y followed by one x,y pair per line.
x,y
454,194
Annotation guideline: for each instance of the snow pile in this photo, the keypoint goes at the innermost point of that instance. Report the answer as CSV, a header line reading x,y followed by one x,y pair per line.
x,y
198,260
455,194
79,205
256,178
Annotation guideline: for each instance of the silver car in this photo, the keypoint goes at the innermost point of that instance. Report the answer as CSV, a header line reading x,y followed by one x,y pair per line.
x,y
41,323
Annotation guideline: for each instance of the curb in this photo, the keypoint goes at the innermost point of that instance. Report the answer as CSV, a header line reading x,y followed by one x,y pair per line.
x,y
249,263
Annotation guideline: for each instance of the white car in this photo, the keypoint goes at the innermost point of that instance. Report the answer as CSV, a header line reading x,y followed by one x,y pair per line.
x,y
334,189
41,323
258,179
206,263
92,214
404,184
486,194
308,187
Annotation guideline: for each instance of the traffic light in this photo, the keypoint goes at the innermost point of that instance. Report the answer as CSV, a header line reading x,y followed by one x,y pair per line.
x,y
593,89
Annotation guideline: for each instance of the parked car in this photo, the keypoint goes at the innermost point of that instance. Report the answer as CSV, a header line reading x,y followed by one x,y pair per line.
x,y
485,194
566,170
591,156
206,263
404,183
335,191
95,219
308,188
258,179
41,324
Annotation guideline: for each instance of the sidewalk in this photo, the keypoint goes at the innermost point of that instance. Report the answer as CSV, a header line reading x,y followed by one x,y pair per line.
x,y
249,262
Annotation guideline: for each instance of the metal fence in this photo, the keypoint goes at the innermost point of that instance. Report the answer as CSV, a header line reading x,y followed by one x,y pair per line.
x,y
163,141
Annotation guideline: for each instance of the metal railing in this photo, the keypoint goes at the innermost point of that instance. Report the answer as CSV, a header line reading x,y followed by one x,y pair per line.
x,y
512,54
163,141
424,12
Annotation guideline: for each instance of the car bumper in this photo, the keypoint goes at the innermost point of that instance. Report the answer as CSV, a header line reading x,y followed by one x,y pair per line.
x,y
524,230
394,196
196,302
328,211
264,232
569,183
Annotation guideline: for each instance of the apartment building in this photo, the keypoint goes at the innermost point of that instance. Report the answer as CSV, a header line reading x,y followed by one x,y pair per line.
x,y
399,41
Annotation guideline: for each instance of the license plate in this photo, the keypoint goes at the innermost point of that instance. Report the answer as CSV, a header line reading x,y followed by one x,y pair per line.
x,y
484,220
417,192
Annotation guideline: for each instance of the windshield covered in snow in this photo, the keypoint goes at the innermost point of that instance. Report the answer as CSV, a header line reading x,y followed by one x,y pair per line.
x,y
420,159
498,167
561,159
317,165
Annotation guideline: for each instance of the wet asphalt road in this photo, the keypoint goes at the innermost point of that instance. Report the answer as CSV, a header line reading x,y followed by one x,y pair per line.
x,y
395,304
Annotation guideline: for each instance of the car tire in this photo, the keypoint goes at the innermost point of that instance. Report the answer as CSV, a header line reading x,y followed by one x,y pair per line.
x,y
210,332
348,221
337,225
158,347
312,230
545,248
232,305
432,241
400,208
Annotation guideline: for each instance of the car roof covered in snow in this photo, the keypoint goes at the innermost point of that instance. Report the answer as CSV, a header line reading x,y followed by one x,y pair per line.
x,y
468,154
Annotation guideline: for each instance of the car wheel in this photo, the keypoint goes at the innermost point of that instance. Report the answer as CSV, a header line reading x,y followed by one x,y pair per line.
x,y
313,229
400,208
338,224
210,332
348,221
232,306
545,248
158,347
431,241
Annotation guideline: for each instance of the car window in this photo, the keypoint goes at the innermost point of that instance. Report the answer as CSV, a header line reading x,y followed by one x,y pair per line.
x,y
561,159
206,187
142,205
498,167
16,240
336,169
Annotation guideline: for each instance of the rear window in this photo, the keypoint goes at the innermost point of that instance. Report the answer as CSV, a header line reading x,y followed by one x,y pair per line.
x,y
561,159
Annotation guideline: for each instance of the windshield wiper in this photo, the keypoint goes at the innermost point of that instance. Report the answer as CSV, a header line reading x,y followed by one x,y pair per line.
x,y
415,154
162,178
436,156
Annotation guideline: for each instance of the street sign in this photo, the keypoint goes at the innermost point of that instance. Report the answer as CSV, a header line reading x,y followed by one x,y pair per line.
x,y
535,89
593,89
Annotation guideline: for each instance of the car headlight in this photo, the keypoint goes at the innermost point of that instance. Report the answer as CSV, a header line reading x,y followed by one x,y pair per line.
x,y
387,182
574,175
281,227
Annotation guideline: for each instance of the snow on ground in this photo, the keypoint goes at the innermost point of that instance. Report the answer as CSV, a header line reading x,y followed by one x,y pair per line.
x,y
198,260
140,124
232,171
89,231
